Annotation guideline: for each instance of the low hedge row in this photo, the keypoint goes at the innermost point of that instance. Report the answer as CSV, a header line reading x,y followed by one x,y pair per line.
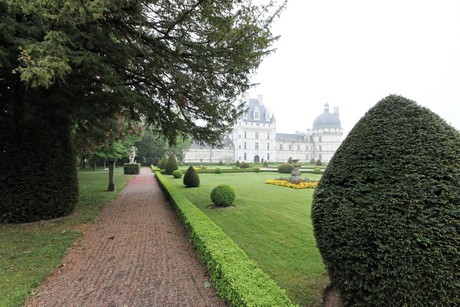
x,y
237,279
229,170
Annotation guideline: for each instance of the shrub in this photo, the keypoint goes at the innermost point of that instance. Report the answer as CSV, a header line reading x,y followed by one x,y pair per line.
x,y
162,163
237,163
265,163
285,168
289,160
41,184
221,163
223,195
235,167
218,170
131,168
171,165
256,170
177,174
387,237
191,178
316,170
312,161
237,279
318,162
245,165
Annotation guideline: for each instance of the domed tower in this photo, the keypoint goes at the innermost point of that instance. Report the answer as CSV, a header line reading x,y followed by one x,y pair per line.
x,y
326,134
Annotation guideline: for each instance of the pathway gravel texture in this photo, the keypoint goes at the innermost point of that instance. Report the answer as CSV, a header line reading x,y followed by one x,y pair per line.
x,y
136,253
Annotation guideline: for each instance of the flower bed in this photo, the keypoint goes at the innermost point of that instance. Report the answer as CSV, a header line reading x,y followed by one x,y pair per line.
x,y
299,185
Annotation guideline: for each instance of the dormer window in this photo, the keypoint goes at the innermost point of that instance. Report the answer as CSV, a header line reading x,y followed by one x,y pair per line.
x,y
256,114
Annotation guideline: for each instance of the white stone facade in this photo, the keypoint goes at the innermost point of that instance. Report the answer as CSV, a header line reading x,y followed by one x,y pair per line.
x,y
254,139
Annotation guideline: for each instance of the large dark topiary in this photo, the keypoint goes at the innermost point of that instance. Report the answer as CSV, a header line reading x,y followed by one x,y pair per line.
x,y
191,178
386,211
171,165
223,195
42,150
162,162
286,168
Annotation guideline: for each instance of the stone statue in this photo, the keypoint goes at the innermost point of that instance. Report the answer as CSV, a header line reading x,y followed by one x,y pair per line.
x,y
132,154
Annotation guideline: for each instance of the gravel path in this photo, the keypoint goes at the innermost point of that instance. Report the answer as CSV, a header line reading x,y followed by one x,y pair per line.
x,y
136,253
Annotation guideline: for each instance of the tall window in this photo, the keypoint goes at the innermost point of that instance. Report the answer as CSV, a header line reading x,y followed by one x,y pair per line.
x,y
245,134
290,147
268,136
268,145
268,156
257,135
256,114
281,146
244,145
244,157
239,146
298,147
257,145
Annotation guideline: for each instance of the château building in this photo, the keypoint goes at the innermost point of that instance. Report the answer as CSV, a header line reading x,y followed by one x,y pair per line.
x,y
254,139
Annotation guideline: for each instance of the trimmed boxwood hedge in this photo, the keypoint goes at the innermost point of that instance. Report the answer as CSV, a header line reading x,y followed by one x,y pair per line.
x,y
131,168
386,211
237,279
162,162
177,174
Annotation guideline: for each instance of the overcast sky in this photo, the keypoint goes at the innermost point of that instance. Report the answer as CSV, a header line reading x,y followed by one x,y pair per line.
x,y
353,53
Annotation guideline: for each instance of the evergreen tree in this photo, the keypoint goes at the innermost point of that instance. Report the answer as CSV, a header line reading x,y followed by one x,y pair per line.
x,y
178,65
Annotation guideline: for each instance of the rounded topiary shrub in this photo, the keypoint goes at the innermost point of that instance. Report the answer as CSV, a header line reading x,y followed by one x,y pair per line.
x,y
256,170
177,174
191,178
386,211
223,195
244,165
316,170
237,163
318,162
312,161
285,168
218,170
171,165
265,163
162,162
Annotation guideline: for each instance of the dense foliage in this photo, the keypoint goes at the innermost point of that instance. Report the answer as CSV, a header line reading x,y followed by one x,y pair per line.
x,y
285,168
180,66
28,191
316,170
191,178
223,195
237,279
386,211
218,170
171,165
318,162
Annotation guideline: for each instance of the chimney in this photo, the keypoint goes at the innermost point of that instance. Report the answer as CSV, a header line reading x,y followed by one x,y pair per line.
x,y
336,111
260,98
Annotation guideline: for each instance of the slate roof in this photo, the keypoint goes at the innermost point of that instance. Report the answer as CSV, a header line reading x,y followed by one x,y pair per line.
x,y
327,120
252,105
285,137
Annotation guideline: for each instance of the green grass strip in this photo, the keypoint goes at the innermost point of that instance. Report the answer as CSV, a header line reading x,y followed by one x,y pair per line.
x,y
237,279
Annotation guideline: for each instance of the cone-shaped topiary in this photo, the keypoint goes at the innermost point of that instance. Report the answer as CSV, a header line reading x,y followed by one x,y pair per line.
x,y
171,165
223,195
162,163
191,178
386,211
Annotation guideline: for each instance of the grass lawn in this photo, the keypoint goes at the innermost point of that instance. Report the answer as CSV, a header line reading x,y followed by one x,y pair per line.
x,y
272,224
29,252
